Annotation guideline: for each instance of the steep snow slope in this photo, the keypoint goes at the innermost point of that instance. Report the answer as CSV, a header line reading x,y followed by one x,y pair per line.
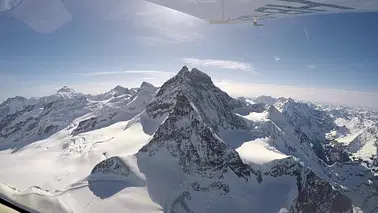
x,y
361,140
113,93
97,192
120,108
309,124
284,138
365,144
354,135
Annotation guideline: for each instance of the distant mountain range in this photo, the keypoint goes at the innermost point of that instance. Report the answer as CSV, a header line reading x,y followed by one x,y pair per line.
x,y
186,147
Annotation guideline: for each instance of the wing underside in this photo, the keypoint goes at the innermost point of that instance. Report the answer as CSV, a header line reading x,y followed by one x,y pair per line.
x,y
236,11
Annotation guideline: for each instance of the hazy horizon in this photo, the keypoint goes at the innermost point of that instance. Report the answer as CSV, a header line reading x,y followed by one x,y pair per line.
x,y
233,89
327,58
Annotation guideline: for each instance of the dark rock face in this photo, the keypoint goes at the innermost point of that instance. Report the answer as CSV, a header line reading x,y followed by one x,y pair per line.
x,y
186,137
318,196
314,194
84,125
179,204
112,165
336,152
6,130
204,159
214,105
213,186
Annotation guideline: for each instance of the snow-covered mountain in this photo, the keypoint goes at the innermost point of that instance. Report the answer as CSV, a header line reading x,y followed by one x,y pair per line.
x,y
39,118
347,138
186,147
266,100
122,107
13,105
113,93
309,123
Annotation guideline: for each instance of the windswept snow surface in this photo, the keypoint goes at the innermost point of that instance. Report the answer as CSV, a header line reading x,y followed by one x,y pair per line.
x,y
56,163
74,156
258,152
257,117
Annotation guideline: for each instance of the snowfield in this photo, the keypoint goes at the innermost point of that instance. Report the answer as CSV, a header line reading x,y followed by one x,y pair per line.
x,y
53,164
255,116
258,152
74,156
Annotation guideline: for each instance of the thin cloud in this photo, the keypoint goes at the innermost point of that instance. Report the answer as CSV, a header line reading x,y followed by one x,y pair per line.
x,y
222,64
126,72
276,58
307,35
311,66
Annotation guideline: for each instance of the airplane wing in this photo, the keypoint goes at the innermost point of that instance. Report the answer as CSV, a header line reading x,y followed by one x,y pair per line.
x,y
237,11
46,16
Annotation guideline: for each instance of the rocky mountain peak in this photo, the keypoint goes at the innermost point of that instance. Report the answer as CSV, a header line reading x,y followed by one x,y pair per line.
x,y
213,105
120,90
194,77
183,70
146,85
12,105
66,89
266,100
289,100
16,98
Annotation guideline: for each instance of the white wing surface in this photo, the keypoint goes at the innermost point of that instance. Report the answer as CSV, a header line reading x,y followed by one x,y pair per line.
x,y
236,11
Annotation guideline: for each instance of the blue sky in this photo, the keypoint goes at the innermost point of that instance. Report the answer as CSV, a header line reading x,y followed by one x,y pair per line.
x,y
326,58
